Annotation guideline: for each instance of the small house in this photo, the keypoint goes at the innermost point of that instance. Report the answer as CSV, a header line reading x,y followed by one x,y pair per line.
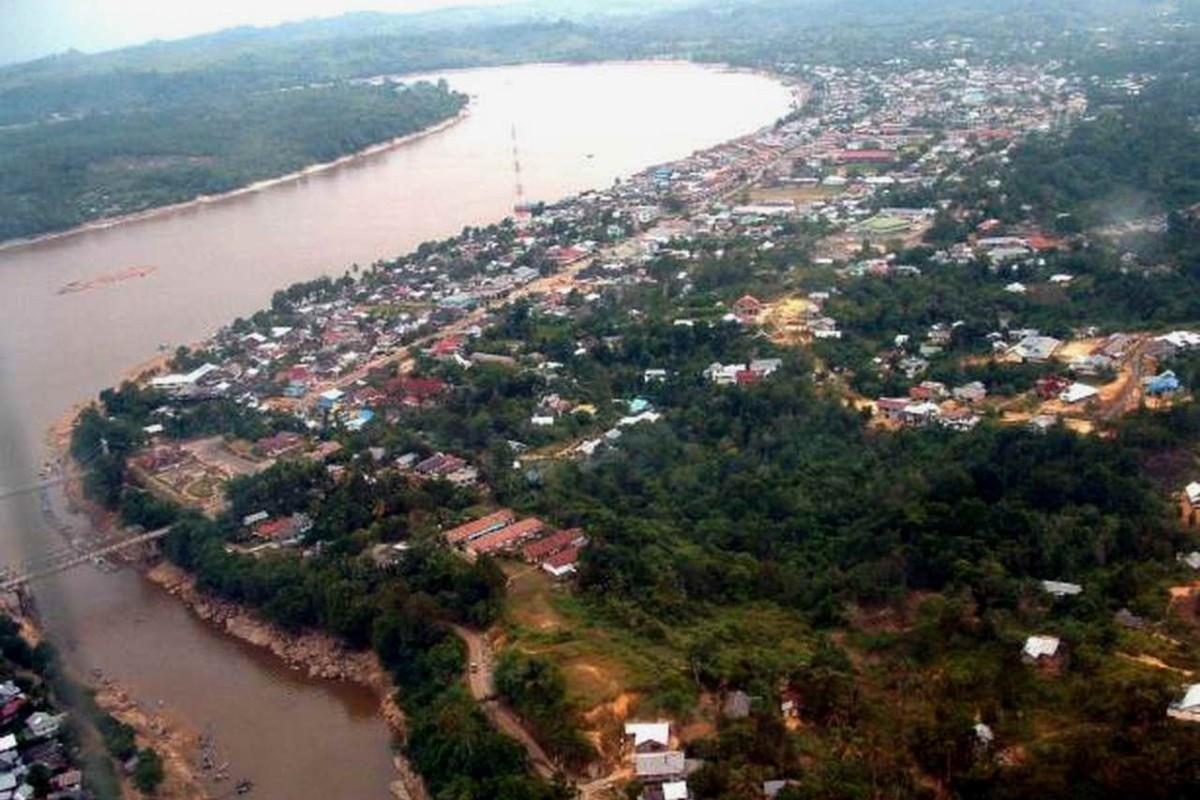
x,y
41,725
649,737
747,308
1078,393
659,766
1166,383
771,789
1061,588
1047,653
1187,708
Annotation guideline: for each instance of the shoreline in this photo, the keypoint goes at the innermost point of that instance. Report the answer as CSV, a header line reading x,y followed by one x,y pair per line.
x,y
104,223
378,148
319,656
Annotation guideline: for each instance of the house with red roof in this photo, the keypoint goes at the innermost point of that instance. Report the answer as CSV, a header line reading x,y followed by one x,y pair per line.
x,y
447,347
480,527
416,391
506,538
747,309
537,551
562,563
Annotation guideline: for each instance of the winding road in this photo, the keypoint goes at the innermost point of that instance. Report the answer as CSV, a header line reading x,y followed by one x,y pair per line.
x,y
482,682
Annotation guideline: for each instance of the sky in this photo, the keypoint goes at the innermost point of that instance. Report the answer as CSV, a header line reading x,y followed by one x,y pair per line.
x,y
35,28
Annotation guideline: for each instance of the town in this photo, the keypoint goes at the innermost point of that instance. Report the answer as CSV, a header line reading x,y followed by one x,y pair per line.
x,y
845,249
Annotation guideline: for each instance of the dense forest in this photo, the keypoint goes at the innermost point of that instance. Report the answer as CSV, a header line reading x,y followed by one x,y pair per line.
x,y
56,176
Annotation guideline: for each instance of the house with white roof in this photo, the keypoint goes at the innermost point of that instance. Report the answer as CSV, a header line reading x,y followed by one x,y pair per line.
x,y
1038,648
1192,559
675,790
1077,393
1061,588
1187,708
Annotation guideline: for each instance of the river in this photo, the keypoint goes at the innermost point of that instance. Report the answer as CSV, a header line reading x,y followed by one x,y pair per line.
x,y
578,127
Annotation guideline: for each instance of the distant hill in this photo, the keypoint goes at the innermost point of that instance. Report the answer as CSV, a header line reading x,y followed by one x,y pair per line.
x,y
60,116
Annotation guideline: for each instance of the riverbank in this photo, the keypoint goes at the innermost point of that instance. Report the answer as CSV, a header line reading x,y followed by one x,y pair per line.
x,y
318,655
258,186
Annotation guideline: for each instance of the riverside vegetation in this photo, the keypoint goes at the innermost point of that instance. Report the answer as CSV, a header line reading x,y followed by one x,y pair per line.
x,y
108,163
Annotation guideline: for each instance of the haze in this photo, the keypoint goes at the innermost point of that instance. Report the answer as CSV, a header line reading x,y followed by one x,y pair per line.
x,y
36,28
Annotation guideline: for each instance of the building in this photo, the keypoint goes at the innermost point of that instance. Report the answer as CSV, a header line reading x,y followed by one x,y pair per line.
x,y
1037,349
973,392
1187,708
737,705
562,563
41,725
1047,653
507,537
770,789
182,384
649,735
667,765
1061,588
1192,493
480,527
747,308
537,551
1077,393
1166,383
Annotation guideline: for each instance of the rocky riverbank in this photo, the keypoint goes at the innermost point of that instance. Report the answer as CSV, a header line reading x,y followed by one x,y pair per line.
x,y
318,655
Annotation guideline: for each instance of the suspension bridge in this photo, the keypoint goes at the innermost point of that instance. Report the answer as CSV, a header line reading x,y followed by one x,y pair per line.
x,y
6,493
15,576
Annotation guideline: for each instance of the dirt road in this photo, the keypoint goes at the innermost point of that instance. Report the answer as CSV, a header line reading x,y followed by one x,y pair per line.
x,y
481,681
1131,392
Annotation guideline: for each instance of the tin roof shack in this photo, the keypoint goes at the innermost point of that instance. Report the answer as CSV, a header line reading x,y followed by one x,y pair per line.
x,y
1047,653
1061,588
1036,349
1186,708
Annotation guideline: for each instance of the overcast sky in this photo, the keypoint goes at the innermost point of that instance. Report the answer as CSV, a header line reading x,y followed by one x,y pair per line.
x,y
34,28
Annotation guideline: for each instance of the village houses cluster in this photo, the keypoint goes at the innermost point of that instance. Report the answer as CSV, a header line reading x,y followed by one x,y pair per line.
x,y
31,736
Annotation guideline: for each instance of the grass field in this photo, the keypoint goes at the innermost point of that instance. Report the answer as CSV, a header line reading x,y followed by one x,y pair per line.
x,y
604,661
796,194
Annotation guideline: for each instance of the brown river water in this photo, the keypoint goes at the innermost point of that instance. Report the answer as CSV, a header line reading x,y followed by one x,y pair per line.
x,y
194,269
